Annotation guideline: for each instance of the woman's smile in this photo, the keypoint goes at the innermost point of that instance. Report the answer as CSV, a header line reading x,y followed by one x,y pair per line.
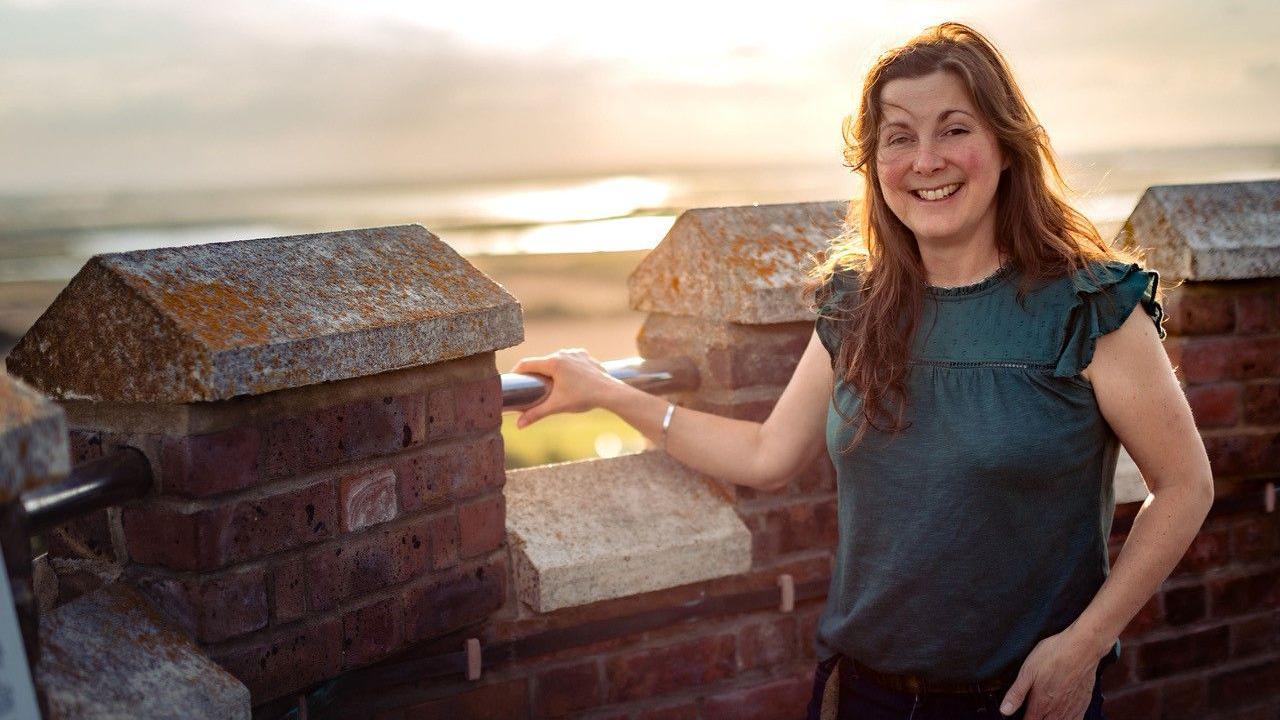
x,y
938,195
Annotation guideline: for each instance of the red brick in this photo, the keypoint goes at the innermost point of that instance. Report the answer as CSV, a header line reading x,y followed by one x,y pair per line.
x,y
482,525
1148,617
286,520
1215,405
211,607
1207,360
679,711
1262,403
1256,636
1209,549
372,632
1256,539
367,499
479,405
653,672
203,465
444,538
1184,605
1160,658
442,411
1140,704
784,698
503,699
1258,312
160,535
378,559
425,480
453,599
762,355
764,644
804,525
1243,454
384,425
1241,687
1183,699
482,468
1194,313
570,689
807,631
1240,595
288,591
298,444
286,662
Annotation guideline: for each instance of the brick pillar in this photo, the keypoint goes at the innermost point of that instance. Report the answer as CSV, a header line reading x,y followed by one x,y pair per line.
x,y
1207,645
322,414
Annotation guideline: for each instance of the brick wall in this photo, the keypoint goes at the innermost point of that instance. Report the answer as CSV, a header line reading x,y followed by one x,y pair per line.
x,y
1207,645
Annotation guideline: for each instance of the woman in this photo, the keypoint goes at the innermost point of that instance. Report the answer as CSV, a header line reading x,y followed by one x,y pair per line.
x,y
979,351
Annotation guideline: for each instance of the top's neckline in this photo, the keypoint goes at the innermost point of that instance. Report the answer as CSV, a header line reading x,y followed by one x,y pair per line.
x,y
989,281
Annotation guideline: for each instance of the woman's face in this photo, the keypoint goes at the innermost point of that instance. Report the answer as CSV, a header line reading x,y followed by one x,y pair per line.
x,y
938,163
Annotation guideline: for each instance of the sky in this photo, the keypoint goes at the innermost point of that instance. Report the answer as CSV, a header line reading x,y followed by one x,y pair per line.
x,y
136,95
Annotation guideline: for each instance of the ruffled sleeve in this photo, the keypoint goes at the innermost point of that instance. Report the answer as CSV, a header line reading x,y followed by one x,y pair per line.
x,y
833,299
1100,305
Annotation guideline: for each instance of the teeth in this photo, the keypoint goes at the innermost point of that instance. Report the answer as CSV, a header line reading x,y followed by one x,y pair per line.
x,y
939,193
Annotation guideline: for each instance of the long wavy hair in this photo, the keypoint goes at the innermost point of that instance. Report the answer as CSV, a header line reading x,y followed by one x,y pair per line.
x,y
1036,229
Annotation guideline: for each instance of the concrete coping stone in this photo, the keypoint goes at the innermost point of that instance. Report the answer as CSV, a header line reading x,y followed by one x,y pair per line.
x,y
593,530
1211,231
222,320
33,439
108,654
737,264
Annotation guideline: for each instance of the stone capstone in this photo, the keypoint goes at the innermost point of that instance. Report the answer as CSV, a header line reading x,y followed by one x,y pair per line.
x,y
33,440
211,322
108,654
1217,231
593,530
736,264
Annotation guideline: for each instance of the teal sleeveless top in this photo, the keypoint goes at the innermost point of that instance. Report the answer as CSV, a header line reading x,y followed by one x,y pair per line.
x,y
982,528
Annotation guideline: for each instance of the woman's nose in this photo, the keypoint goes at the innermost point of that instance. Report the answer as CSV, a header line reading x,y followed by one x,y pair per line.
x,y
926,160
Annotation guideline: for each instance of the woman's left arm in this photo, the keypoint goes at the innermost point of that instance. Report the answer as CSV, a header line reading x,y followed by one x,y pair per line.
x,y
1139,396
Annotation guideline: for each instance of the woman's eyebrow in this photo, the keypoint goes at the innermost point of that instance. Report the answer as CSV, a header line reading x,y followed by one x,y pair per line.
x,y
941,116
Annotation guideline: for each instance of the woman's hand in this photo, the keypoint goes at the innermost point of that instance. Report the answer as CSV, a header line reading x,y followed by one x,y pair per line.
x,y
578,383
1059,674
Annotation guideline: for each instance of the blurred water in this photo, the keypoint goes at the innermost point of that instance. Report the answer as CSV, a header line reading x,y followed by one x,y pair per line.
x,y
50,237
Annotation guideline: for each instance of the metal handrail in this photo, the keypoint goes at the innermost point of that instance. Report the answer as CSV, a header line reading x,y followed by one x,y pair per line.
x,y
93,485
655,376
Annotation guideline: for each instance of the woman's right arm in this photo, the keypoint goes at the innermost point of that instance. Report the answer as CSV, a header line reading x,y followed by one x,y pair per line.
x,y
764,455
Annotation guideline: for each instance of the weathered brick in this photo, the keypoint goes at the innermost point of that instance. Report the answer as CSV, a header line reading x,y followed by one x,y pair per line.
x,y
652,672
1256,539
212,608
1244,686
1258,312
1184,605
1262,403
1247,453
1207,360
482,525
1256,635
288,590
384,425
782,698
310,441
285,662
367,499
765,644
482,468
569,689
378,559
1159,658
442,414
681,710
479,404
203,465
1183,699
502,699
210,538
444,538
1215,405
1240,595
763,355
807,632
453,599
1133,704
1148,617
372,632
1209,549
424,480
1199,313
804,525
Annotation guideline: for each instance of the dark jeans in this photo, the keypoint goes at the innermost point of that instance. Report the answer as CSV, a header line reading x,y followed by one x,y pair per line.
x,y
863,700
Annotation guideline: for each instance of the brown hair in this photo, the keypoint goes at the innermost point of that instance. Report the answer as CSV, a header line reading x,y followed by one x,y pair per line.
x,y
1041,234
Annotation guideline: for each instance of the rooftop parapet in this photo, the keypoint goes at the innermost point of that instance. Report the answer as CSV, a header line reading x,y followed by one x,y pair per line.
x,y
211,322
736,264
1217,231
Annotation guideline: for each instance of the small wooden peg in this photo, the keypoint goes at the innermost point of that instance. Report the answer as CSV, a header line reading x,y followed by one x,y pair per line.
x,y
1269,497
473,658
788,586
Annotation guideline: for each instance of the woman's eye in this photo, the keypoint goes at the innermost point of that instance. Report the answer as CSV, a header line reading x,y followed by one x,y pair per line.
x,y
894,140
957,130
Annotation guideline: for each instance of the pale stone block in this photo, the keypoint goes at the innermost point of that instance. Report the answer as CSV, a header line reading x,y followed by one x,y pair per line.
x,y
33,440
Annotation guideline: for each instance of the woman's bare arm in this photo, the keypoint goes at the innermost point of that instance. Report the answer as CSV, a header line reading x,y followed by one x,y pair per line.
x,y
759,455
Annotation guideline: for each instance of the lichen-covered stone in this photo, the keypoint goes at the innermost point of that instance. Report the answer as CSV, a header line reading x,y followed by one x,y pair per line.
x,y
211,322
33,440
586,531
108,654
1218,231
736,264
